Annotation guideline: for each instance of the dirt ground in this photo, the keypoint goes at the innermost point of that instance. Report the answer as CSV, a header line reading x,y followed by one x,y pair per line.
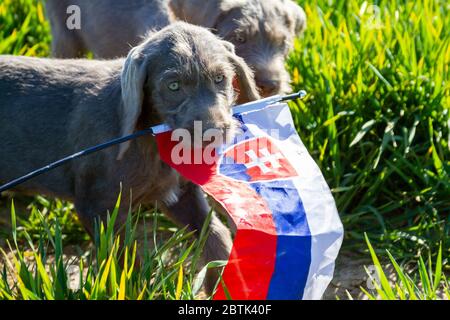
x,y
349,275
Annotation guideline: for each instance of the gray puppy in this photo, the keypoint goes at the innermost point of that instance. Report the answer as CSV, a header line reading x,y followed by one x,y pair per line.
x,y
262,30
52,108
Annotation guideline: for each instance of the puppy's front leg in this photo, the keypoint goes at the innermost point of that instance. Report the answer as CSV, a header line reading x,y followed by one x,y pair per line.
x,y
93,212
191,210
94,198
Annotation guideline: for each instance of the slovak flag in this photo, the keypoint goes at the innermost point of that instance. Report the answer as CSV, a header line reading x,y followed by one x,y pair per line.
x,y
288,229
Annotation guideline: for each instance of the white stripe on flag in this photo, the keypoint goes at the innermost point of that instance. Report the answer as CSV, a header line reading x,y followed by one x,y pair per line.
x,y
320,208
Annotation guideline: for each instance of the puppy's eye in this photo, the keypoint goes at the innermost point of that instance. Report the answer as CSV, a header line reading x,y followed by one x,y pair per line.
x,y
240,38
219,78
174,86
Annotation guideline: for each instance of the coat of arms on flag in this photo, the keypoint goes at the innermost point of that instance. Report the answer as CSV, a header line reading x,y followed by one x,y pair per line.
x,y
261,160
288,229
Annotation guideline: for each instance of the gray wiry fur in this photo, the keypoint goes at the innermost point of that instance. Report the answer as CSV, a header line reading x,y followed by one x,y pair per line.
x,y
108,28
266,26
262,31
52,108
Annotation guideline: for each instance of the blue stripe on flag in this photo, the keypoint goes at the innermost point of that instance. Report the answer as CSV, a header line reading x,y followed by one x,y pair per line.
x,y
293,242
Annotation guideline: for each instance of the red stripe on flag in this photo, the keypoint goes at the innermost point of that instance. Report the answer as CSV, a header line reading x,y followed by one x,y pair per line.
x,y
252,261
250,267
197,173
245,206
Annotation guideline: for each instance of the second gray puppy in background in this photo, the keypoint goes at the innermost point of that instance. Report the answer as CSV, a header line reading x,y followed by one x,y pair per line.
x,y
262,30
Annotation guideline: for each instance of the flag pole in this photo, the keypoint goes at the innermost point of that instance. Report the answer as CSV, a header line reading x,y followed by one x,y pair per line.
x,y
299,95
149,131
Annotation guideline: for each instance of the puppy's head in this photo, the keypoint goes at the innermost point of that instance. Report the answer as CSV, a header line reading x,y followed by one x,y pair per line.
x,y
183,74
262,32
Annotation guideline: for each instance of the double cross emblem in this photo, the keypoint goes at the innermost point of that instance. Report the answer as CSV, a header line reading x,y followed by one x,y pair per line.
x,y
256,160
263,161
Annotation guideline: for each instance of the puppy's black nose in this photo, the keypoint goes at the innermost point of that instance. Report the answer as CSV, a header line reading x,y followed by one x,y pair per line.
x,y
268,87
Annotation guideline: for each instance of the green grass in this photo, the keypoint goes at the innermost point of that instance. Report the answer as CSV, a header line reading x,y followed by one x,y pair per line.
x,y
376,120
377,117
431,284
23,28
109,271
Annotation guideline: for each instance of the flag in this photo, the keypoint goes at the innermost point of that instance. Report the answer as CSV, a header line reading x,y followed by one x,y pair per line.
x,y
288,229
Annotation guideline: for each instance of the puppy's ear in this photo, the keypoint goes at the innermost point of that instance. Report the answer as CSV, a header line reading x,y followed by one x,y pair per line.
x,y
133,78
246,80
297,16
229,46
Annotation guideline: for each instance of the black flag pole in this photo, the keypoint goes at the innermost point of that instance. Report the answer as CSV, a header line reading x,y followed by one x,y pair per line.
x,y
149,131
